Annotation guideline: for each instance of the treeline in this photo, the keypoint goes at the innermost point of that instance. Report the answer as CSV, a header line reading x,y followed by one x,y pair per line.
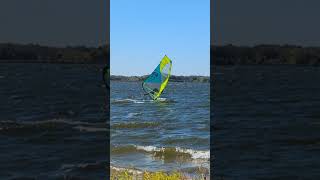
x,y
221,55
43,54
173,78
265,54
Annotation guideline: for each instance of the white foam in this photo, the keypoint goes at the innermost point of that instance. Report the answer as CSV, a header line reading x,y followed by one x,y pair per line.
x,y
90,129
161,99
149,148
134,171
128,100
130,115
195,154
141,101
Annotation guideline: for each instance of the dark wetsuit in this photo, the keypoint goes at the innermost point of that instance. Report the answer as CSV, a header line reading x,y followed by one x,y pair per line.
x,y
155,90
106,76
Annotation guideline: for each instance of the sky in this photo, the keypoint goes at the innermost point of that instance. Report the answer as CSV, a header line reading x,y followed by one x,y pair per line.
x,y
252,22
54,22
143,31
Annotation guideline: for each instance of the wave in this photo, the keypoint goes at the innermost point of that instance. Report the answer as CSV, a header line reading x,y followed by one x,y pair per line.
x,y
195,154
165,100
135,125
141,101
163,152
137,101
123,149
131,115
84,166
17,128
91,129
183,140
134,171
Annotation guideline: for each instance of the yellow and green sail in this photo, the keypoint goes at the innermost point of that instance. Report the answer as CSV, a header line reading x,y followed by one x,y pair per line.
x,y
157,81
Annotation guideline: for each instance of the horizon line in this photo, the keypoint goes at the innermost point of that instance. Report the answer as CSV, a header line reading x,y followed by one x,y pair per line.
x,y
149,74
54,46
108,44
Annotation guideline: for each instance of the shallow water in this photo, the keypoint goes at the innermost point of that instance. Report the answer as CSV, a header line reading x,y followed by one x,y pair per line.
x,y
52,121
169,134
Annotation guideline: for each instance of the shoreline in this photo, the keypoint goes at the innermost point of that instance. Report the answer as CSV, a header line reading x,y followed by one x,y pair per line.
x,y
173,78
198,170
263,54
134,173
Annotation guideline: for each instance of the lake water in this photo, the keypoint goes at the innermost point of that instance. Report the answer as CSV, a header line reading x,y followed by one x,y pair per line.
x,y
266,122
52,121
169,135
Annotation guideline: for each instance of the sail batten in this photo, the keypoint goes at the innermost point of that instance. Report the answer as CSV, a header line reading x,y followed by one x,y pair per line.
x,y
157,81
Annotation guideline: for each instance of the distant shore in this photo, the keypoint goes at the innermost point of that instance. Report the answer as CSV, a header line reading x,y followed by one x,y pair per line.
x,y
220,55
35,53
173,78
265,55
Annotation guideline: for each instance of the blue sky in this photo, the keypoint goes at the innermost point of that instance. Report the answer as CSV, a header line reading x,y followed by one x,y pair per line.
x,y
143,31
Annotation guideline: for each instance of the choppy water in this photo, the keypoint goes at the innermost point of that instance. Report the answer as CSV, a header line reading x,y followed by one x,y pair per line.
x,y
266,122
168,135
52,121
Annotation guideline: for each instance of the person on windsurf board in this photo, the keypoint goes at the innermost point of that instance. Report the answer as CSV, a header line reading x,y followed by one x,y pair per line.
x,y
106,76
157,81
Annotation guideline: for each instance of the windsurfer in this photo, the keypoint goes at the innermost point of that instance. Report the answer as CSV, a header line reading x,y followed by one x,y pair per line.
x,y
106,76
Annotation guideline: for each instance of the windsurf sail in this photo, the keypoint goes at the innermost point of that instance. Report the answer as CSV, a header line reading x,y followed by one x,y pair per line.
x,y
157,81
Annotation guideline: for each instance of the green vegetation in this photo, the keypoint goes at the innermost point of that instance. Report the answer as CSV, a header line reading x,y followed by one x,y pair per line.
x,y
222,55
34,53
265,54
159,175
127,175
